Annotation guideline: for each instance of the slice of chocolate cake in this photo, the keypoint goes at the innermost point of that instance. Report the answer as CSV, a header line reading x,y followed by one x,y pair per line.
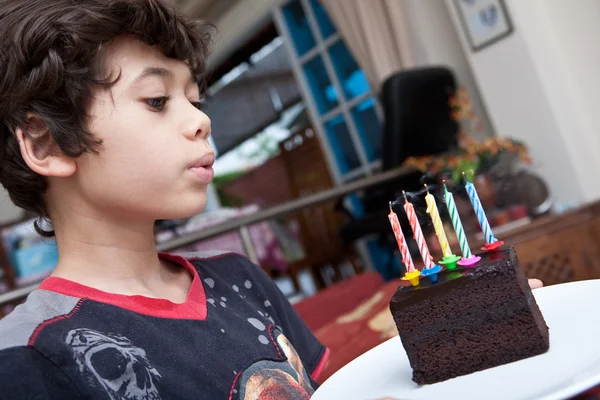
x,y
470,319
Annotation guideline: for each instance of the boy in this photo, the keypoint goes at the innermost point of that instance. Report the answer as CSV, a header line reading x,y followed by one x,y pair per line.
x,y
101,133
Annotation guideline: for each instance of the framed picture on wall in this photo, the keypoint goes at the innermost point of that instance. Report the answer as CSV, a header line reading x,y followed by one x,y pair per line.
x,y
484,21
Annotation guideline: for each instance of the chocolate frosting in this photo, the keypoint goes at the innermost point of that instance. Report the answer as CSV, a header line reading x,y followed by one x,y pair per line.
x,y
490,261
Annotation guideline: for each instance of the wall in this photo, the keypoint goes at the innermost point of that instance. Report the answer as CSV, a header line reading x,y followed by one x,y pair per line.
x,y
238,24
8,211
538,88
574,83
435,41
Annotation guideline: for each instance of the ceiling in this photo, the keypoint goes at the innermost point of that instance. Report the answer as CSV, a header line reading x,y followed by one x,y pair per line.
x,y
236,21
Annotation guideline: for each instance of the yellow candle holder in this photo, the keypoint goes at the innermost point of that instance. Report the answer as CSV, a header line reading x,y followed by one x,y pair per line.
x,y
412,277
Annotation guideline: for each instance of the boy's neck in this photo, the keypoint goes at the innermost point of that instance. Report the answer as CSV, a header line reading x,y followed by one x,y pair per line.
x,y
117,258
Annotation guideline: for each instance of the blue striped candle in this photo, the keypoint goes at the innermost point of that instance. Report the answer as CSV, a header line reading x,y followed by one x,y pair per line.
x,y
479,212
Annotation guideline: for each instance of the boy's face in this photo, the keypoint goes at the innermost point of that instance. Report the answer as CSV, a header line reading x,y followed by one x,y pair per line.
x,y
155,161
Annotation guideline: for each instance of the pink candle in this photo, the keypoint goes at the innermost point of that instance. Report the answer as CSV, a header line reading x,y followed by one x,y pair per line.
x,y
404,251
418,233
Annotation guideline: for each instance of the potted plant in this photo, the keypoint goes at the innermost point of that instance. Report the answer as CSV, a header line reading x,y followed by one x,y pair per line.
x,y
487,162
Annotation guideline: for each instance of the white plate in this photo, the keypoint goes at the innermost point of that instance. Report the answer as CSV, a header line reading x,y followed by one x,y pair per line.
x,y
571,366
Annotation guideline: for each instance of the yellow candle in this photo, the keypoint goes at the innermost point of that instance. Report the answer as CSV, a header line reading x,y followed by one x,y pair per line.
x,y
432,210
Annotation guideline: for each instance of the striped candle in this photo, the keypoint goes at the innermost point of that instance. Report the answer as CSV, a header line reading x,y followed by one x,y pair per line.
x,y
402,245
456,222
479,212
418,233
432,210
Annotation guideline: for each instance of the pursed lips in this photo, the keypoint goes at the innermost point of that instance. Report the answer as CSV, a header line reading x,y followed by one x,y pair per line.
x,y
203,168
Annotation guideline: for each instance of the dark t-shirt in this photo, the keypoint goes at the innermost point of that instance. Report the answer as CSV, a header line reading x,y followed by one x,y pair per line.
x,y
235,337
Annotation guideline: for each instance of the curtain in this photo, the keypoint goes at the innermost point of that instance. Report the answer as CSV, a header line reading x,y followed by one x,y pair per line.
x,y
376,33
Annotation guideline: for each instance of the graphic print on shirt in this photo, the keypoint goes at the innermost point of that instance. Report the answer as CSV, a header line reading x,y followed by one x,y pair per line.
x,y
114,363
275,380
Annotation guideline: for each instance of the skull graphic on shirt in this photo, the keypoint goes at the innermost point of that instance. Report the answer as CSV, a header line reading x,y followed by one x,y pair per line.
x,y
122,369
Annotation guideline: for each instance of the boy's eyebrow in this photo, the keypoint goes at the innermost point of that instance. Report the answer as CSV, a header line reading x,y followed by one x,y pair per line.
x,y
157,71
153,71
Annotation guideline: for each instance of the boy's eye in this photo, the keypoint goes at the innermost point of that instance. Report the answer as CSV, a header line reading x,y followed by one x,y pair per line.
x,y
158,103
197,104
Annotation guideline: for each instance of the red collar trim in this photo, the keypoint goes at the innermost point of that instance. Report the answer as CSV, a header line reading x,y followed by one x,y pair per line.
x,y
193,308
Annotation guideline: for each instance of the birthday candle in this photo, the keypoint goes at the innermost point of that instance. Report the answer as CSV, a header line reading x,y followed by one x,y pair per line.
x,y
418,233
479,212
404,251
432,210
456,222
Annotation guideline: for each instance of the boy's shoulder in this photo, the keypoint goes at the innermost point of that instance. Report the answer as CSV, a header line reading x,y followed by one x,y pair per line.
x,y
19,328
27,372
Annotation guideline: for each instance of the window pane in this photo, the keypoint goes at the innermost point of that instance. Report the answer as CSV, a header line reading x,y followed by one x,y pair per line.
x,y
325,25
299,28
369,128
352,78
321,87
357,207
341,144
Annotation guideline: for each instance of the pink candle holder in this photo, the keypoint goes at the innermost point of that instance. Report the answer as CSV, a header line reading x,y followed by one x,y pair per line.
x,y
469,262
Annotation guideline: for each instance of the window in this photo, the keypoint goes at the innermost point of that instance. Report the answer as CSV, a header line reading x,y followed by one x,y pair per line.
x,y
342,104
324,94
343,108
369,128
339,137
325,25
299,28
352,78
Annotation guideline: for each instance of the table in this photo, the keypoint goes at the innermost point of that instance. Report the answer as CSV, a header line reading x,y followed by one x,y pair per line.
x,y
554,248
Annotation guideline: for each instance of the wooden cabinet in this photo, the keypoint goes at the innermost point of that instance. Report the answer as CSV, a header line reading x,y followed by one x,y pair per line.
x,y
562,248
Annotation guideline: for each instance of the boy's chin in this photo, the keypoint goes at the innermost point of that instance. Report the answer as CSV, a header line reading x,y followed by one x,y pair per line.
x,y
185,210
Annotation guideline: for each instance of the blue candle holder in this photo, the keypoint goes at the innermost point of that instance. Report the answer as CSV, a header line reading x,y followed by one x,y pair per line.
x,y
431,273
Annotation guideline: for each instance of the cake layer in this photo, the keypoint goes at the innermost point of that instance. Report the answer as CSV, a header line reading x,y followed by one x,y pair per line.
x,y
476,347
471,319
457,326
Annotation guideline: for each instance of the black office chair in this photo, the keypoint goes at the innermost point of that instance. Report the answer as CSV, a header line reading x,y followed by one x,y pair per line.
x,y
417,123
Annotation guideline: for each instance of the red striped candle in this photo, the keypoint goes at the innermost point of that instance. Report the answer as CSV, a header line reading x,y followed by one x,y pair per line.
x,y
404,251
418,233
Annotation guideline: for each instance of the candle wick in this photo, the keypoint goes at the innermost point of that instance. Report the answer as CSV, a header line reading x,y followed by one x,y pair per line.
x,y
405,199
391,210
426,188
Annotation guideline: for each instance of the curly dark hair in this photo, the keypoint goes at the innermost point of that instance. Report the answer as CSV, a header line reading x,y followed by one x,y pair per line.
x,y
51,58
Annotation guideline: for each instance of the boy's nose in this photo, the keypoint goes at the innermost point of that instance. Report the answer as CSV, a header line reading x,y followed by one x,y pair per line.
x,y
199,127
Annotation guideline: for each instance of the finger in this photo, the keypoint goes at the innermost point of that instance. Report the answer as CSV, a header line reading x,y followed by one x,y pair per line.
x,y
535,283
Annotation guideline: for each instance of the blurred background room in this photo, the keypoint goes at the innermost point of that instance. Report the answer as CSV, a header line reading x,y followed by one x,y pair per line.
x,y
323,111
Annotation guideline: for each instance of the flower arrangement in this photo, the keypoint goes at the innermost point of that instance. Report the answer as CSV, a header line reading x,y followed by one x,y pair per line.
x,y
471,154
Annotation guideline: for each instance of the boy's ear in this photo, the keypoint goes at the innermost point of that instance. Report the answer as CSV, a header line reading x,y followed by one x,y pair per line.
x,y
40,151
